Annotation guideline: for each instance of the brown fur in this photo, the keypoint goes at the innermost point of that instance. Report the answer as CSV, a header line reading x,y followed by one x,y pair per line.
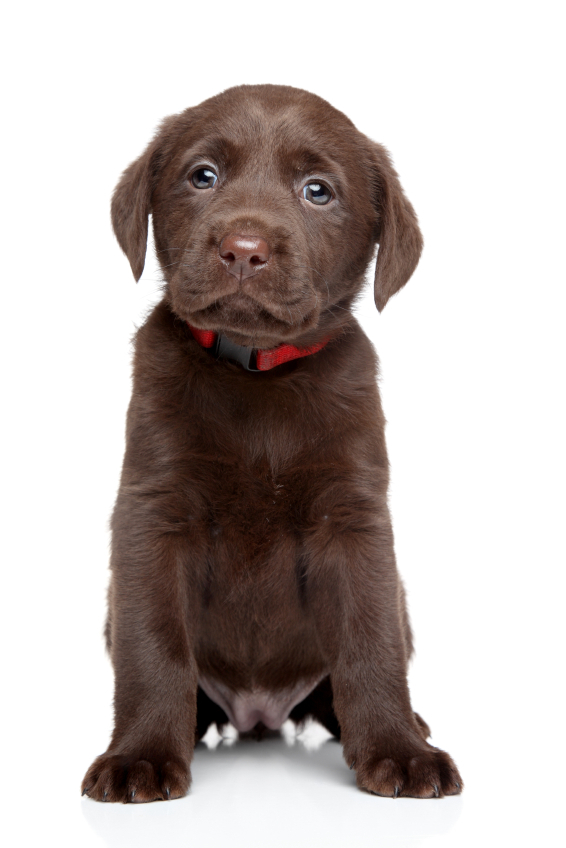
x,y
252,543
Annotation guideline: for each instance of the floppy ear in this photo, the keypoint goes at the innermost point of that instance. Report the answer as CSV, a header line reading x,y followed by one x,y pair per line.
x,y
131,201
398,233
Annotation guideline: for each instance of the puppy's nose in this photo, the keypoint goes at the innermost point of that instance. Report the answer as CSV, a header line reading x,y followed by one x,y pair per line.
x,y
243,256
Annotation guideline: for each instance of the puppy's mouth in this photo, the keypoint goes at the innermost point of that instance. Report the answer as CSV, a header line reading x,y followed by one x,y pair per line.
x,y
252,323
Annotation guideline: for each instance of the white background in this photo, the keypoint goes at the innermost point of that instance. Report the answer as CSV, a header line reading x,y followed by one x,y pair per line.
x,y
469,99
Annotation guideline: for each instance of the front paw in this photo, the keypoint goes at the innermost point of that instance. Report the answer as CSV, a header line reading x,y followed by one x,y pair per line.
x,y
429,773
131,778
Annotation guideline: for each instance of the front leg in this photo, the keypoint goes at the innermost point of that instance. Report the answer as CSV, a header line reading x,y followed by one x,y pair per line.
x,y
151,648
358,602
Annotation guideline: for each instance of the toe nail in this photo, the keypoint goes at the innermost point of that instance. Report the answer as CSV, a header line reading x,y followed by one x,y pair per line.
x,y
168,793
105,795
83,792
396,793
352,764
436,790
133,795
457,784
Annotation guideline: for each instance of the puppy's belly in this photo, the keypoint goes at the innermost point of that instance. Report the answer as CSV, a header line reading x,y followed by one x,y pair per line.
x,y
246,709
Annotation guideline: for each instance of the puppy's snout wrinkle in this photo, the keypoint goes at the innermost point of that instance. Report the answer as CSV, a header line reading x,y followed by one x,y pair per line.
x,y
242,255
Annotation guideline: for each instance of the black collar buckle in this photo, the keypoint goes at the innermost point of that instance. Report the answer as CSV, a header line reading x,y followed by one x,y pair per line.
x,y
244,356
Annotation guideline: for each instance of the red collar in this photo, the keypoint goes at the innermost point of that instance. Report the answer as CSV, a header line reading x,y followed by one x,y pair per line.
x,y
250,358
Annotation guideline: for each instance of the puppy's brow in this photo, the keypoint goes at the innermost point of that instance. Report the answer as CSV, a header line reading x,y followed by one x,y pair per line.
x,y
309,162
221,150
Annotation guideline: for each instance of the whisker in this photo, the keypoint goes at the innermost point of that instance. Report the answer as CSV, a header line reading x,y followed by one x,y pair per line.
x,y
171,264
335,306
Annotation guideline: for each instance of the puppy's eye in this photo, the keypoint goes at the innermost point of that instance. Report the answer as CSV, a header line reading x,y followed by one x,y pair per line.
x,y
317,193
203,178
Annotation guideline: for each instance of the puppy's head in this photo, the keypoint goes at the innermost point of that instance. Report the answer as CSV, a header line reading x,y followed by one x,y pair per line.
x,y
267,204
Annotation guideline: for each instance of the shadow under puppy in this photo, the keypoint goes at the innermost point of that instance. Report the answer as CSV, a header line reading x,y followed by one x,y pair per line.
x,y
253,570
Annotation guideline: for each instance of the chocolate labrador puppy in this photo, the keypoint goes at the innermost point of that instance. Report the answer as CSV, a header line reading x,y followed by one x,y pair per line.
x,y
253,570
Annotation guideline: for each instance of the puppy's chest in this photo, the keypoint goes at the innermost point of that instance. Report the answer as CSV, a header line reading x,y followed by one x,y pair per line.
x,y
251,510
253,525
252,617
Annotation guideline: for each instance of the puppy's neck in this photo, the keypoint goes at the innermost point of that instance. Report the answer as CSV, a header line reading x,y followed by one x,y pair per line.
x,y
251,359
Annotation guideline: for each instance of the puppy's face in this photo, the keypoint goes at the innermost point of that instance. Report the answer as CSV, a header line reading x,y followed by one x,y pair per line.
x,y
267,204
263,217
